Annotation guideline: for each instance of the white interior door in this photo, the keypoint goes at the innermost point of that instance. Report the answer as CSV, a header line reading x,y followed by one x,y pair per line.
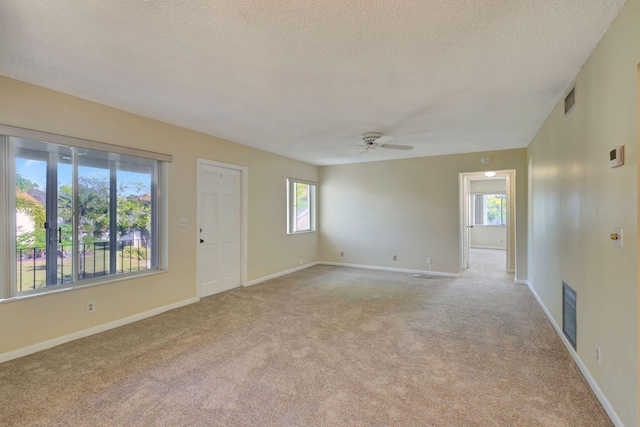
x,y
219,204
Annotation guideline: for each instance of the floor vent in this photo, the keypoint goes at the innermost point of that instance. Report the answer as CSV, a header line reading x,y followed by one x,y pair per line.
x,y
569,313
570,100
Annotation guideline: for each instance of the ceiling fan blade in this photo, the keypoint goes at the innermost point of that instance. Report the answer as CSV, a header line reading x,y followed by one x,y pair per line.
x,y
364,150
396,147
384,139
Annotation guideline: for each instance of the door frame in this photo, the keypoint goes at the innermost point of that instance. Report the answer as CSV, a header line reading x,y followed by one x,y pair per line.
x,y
243,217
465,194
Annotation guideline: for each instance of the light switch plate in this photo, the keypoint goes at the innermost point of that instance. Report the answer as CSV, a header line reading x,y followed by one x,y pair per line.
x,y
182,222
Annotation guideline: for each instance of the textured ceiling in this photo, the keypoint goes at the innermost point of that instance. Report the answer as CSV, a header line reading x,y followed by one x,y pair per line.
x,y
304,78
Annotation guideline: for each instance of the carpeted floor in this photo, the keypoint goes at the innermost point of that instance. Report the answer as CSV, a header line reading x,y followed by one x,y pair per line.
x,y
490,263
326,346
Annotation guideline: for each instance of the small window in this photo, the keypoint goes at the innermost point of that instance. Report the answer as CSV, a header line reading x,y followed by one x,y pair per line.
x,y
490,209
301,206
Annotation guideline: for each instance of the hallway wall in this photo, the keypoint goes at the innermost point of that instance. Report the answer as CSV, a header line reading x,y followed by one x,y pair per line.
x,y
575,201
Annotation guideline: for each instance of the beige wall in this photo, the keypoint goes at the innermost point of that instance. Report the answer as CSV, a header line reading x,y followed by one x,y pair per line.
x,y
576,199
487,186
409,208
271,250
489,236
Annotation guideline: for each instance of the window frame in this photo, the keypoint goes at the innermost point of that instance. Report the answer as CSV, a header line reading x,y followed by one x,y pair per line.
x,y
503,209
291,215
7,222
8,289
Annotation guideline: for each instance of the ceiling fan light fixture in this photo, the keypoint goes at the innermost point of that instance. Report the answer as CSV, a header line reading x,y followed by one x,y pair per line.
x,y
490,174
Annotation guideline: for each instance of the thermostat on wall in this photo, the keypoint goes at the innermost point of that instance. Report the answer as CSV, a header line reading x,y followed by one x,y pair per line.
x,y
616,157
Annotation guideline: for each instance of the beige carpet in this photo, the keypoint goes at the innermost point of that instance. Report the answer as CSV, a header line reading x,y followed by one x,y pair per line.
x,y
488,263
326,346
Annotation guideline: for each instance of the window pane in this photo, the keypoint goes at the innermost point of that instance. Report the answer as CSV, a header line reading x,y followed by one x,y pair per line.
x,y
302,219
31,215
116,213
504,210
93,214
135,217
43,226
494,209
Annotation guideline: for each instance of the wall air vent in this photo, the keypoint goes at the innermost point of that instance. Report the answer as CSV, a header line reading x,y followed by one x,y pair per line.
x,y
570,100
569,314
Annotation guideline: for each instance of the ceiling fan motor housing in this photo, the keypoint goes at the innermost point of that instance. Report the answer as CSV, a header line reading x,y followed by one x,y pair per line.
x,y
370,137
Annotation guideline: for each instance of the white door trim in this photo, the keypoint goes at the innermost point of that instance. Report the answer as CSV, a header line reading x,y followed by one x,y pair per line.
x,y
464,191
244,217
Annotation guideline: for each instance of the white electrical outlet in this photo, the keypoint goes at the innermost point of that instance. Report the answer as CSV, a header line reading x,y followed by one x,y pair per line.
x,y
91,307
182,222
428,260
395,257
300,259
342,253
597,354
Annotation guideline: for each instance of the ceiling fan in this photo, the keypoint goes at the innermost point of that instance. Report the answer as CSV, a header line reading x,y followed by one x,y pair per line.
x,y
373,140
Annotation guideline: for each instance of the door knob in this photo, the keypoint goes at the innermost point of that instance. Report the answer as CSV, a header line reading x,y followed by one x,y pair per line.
x,y
201,240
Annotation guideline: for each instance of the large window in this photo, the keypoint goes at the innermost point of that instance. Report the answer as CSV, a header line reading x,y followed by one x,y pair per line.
x,y
490,209
301,206
78,215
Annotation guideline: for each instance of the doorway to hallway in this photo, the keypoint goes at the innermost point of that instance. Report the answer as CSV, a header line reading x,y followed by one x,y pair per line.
x,y
487,223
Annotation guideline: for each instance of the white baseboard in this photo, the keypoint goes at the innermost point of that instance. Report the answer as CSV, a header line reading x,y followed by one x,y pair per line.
x,y
397,270
500,248
279,274
521,282
592,382
34,348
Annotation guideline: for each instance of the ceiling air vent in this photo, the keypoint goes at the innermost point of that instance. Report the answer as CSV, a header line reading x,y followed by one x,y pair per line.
x,y
570,100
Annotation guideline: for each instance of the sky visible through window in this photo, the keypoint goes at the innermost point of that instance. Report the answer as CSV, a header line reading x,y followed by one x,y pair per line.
x,y
36,172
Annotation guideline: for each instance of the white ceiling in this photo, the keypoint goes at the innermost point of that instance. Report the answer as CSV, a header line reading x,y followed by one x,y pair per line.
x,y
304,78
